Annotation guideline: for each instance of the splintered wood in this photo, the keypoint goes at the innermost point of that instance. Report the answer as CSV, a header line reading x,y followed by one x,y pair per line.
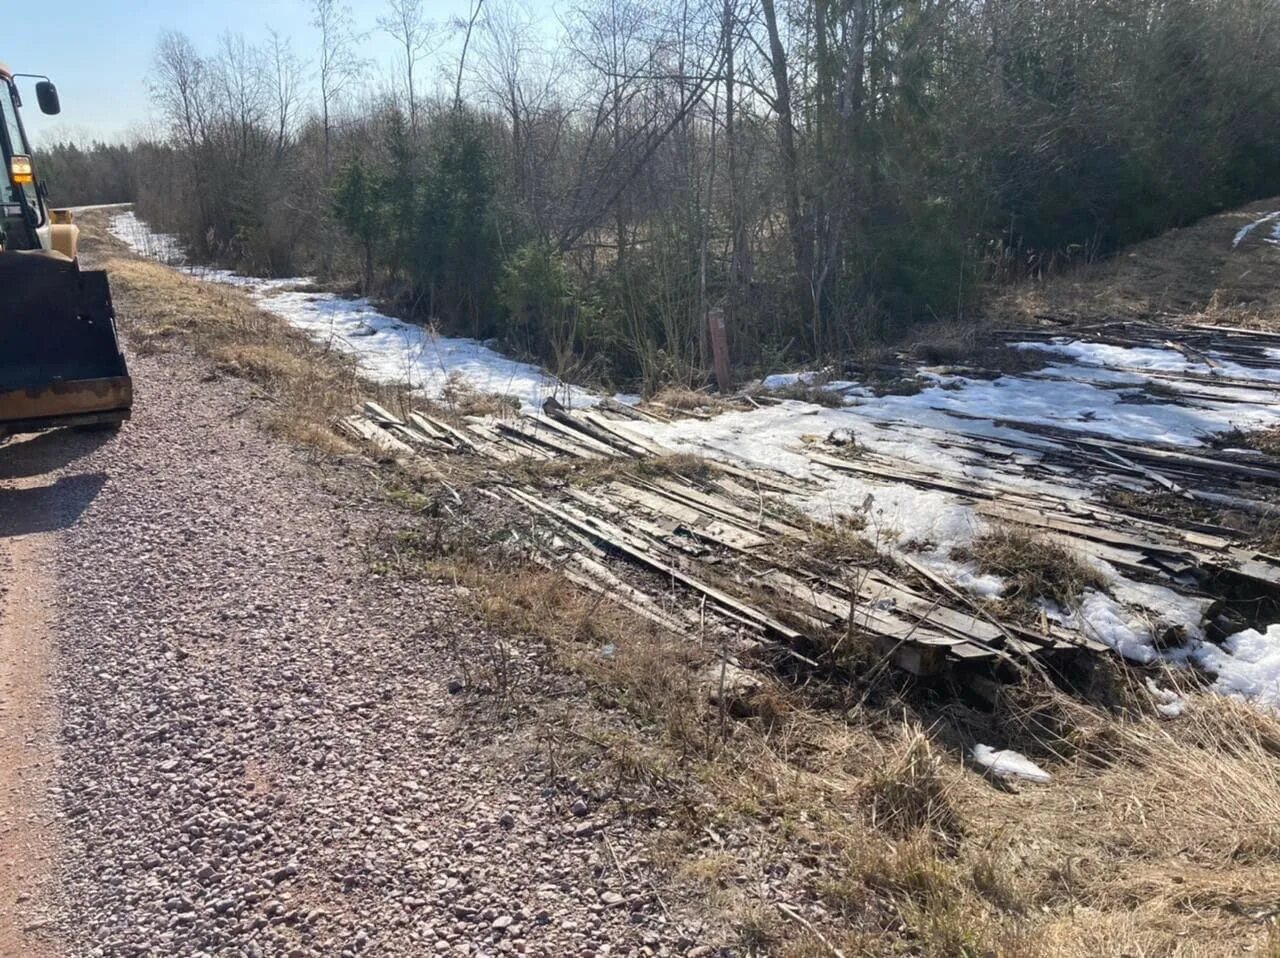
x,y
722,546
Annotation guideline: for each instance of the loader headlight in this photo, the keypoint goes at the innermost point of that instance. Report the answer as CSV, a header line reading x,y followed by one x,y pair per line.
x,y
20,170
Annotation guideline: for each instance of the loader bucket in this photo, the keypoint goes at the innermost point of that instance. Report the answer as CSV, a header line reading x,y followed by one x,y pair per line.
x,y
60,361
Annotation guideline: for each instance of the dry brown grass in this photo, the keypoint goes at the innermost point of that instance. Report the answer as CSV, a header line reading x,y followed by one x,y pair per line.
x,y
595,472
1261,531
686,399
1192,273
1153,838
461,398
1263,440
1033,567
304,386
812,394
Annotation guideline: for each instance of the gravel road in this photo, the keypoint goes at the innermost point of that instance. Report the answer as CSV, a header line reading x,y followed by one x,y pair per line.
x,y
260,747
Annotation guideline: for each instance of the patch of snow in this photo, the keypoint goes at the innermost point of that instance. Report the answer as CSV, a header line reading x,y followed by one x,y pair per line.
x,y
145,241
783,380
1006,763
1169,703
1168,609
1246,230
1102,618
394,351
1247,666
775,438
963,575
1153,358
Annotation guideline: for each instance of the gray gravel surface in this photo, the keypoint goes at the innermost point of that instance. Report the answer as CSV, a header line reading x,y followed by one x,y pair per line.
x,y
261,754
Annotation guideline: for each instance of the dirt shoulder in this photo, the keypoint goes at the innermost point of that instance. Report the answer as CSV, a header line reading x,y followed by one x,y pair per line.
x,y
29,827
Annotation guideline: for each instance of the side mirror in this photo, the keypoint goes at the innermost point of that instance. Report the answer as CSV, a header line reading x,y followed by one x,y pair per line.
x,y
47,97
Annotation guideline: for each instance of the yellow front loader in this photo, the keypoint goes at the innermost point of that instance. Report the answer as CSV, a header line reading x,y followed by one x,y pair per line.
x,y
60,358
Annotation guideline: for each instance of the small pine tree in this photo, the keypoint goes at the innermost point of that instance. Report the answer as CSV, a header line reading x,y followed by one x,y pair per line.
x,y
358,208
400,191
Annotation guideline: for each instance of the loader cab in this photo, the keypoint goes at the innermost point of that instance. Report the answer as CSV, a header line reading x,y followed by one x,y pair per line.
x,y
24,215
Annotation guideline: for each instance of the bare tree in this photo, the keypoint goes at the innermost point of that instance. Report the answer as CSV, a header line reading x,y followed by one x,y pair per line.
x,y
406,23
286,86
801,247
178,86
468,27
338,66
241,77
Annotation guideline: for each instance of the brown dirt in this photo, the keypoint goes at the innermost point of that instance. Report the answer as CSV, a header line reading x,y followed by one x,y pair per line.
x,y
28,718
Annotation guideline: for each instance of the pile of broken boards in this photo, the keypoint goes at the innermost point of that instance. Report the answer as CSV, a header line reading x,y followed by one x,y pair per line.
x,y
717,550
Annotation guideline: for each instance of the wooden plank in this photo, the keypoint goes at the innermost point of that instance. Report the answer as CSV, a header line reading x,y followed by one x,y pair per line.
x,y
1080,530
504,448
425,426
574,435
865,615
440,425
598,528
548,439
719,506
630,412
603,573
761,478
557,413
971,491
717,530
919,660
380,414
361,428
646,446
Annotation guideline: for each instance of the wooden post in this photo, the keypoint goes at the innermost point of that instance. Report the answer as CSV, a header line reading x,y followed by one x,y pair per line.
x,y
720,349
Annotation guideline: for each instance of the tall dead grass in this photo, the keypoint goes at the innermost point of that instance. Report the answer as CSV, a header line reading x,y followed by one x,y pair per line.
x,y
303,385
1154,837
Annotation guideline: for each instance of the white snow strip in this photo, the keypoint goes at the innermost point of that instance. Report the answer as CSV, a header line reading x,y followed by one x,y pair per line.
x,y
1246,230
387,349
1103,618
1148,357
1247,666
395,351
99,206
1006,763
783,380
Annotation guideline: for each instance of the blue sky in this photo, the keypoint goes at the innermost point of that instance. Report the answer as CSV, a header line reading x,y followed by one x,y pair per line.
x,y
99,53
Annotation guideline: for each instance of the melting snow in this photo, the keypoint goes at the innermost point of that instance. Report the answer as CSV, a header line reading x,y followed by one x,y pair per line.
x,y
1246,230
1247,665
1148,357
1005,763
1168,703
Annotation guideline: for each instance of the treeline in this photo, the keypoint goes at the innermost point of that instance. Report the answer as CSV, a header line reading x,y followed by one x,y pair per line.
x,y
84,175
821,171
